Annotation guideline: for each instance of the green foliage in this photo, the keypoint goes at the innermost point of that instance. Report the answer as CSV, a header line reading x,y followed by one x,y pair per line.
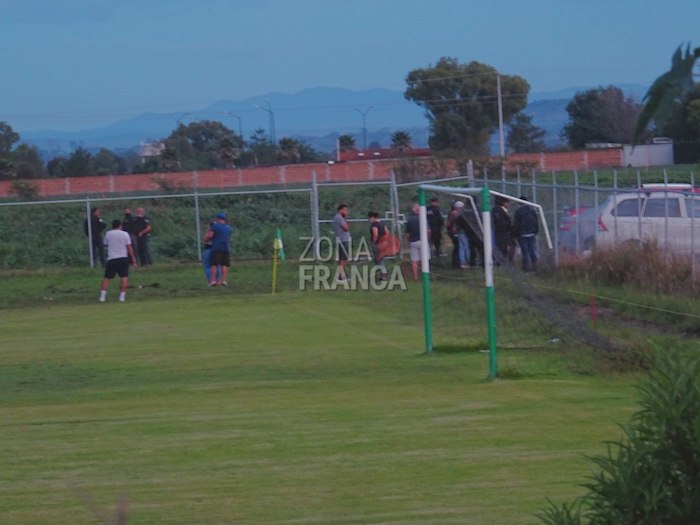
x,y
524,136
600,115
347,142
206,144
401,140
79,164
461,102
652,475
25,189
663,95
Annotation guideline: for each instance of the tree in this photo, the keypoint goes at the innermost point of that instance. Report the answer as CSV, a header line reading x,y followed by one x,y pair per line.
x,y
204,144
667,90
524,136
8,137
347,142
260,150
401,140
80,163
57,167
601,115
108,163
289,152
28,163
461,102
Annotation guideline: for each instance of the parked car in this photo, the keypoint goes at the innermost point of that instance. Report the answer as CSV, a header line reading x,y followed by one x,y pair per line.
x,y
671,218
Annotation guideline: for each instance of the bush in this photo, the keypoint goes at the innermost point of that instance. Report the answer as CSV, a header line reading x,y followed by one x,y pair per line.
x,y
25,189
652,476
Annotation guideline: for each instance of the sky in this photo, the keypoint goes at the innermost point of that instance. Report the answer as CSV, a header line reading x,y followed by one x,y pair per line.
x,y
78,64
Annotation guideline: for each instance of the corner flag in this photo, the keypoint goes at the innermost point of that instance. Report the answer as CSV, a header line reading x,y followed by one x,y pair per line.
x,y
278,246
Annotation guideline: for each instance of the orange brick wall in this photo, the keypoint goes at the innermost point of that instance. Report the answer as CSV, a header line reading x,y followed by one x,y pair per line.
x,y
357,171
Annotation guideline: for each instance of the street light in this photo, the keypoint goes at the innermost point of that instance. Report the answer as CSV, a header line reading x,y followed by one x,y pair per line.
x,y
240,125
266,107
364,125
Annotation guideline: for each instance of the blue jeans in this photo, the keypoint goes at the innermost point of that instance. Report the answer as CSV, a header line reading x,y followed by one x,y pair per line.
x,y
528,247
463,248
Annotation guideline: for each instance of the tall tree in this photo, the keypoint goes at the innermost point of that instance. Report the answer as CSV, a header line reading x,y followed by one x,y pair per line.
x,y
108,163
461,102
8,137
667,91
204,144
524,136
601,115
347,142
80,163
401,140
27,162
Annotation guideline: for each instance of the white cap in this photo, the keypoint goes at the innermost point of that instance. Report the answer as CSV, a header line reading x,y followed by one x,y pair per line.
x,y
459,204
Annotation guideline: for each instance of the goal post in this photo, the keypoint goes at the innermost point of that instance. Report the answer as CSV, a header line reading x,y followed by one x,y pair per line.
x,y
486,223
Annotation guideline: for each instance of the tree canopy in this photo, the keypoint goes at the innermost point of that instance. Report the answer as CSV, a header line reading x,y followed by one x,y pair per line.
x,y
461,102
601,115
667,91
524,136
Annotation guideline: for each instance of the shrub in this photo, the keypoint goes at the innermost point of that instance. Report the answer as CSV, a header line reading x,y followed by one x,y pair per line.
x,y
651,476
25,189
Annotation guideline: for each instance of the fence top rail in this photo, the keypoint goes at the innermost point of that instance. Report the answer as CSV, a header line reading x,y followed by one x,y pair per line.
x,y
447,179
360,183
151,196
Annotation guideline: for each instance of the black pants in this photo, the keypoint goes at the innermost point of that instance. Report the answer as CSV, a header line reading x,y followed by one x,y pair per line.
x,y
436,238
455,250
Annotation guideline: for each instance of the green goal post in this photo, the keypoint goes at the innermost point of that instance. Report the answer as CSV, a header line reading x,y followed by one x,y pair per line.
x,y
467,194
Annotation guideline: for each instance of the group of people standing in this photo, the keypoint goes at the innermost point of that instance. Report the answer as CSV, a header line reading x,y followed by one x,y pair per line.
x,y
119,243
138,228
465,232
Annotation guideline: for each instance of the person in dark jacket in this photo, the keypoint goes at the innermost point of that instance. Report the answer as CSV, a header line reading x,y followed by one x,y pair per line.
x,y
94,232
503,231
435,222
468,222
526,227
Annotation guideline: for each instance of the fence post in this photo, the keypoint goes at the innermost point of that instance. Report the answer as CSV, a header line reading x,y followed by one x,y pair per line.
x,y
89,230
554,221
315,228
197,225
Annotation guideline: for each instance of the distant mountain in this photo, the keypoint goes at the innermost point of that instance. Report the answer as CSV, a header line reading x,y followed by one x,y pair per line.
x,y
316,115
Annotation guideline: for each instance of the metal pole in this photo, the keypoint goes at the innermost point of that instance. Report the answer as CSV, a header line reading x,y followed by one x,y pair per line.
x,y
501,138
554,217
488,273
89,229
315,227
198,226
425,270
693,263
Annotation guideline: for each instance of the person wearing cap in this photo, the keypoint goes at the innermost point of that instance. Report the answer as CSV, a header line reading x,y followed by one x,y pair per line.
x,y
219,235
526,227
142,232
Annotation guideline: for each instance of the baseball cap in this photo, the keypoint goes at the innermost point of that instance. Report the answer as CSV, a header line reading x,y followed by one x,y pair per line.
x,y
221,215
459,204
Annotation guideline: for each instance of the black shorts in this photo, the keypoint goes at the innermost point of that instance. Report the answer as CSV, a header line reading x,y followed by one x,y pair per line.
x,y
118,267
220,259
343,248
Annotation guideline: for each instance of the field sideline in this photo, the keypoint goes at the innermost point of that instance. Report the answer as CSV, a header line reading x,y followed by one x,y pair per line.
x,y
302,408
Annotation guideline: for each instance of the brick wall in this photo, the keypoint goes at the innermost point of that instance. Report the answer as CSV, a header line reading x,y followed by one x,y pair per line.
x,y
357,171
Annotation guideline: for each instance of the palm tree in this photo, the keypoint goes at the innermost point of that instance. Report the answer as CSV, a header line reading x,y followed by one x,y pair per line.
x,y
668,90
346,142
401,140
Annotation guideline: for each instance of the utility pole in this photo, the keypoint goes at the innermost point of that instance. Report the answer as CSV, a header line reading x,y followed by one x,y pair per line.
x,y
364,125
501,138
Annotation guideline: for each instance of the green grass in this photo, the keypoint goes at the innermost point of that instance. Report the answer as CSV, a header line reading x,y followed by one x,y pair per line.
x,y
226,406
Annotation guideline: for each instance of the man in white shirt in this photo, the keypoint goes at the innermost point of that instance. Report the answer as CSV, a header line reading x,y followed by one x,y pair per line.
x,y
119,252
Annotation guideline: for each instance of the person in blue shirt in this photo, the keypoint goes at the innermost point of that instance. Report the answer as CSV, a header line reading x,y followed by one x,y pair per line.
x,y
219,235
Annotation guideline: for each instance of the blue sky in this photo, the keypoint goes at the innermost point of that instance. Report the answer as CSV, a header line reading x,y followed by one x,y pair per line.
x,y
72,64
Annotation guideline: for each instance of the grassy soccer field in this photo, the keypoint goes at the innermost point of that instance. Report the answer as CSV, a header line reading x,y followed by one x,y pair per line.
x,y
304,408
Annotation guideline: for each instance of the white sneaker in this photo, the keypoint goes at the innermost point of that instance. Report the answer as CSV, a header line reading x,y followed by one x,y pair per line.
x,y
103,299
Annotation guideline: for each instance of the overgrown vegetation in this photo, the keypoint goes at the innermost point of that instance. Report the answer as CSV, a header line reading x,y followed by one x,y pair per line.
x,y
652,475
